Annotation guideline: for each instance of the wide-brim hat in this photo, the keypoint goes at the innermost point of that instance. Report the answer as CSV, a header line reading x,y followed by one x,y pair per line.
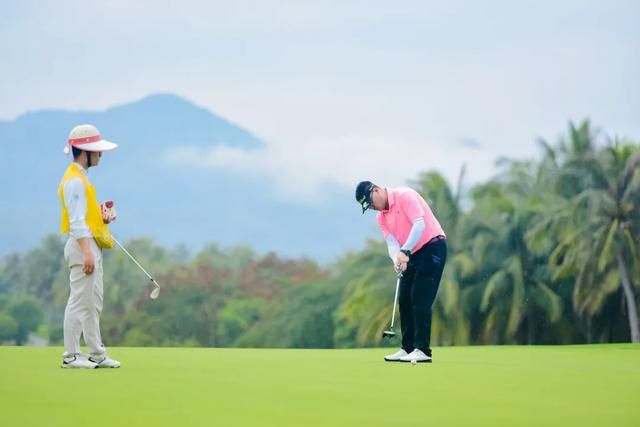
x,y
87,138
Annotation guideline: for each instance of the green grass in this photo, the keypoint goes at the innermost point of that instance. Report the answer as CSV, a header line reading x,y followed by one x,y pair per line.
x,y
466,386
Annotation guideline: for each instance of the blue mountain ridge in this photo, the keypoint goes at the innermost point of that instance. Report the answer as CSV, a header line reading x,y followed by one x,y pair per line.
x,y
172,204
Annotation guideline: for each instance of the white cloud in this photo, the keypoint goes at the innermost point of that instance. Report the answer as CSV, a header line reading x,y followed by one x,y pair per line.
x,y
302,171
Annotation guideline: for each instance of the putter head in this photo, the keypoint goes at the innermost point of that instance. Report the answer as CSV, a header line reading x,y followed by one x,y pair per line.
x,y
388,334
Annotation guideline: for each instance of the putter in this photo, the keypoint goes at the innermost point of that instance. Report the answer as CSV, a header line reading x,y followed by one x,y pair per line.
x,y
156,291
390,333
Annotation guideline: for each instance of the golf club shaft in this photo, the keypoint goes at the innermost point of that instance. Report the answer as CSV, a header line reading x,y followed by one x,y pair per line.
x,y
136,262
395,300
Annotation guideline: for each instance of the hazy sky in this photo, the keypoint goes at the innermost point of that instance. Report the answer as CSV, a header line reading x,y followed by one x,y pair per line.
x,y
341,90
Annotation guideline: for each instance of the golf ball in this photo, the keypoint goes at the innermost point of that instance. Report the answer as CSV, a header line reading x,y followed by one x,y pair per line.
x,y
413,362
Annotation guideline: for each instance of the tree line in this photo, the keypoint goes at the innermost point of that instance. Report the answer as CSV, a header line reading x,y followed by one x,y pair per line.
x,y
545,252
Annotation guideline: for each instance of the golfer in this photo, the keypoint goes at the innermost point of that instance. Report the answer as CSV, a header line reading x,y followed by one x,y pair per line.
x,y
88,234
417,246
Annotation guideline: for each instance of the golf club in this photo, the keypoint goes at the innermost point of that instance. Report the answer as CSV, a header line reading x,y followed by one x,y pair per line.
x,y
390,332
154,293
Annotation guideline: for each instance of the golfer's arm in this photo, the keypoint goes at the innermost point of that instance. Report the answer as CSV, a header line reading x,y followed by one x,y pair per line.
x,y
393,247
414,235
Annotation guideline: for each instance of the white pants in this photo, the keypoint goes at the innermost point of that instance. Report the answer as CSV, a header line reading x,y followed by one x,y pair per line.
x,y
82,314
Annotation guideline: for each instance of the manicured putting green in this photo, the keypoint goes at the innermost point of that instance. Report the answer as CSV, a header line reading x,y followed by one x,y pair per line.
x,y
466,386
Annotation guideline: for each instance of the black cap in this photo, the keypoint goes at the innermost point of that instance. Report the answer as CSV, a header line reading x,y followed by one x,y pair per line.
x,y
363,194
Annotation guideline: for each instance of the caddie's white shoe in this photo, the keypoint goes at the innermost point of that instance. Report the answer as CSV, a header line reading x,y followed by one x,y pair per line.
x,y
417,355
105,362
395,357
76,361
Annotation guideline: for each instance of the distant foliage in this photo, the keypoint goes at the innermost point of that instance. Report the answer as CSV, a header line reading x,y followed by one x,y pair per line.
x,y
545,252
18,318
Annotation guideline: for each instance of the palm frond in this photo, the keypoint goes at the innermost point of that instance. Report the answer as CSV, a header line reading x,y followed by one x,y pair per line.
x,y
554,303
517,300
496,279
605,255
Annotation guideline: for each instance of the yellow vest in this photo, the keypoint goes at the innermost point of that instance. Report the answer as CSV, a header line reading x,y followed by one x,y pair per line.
x,y
94,214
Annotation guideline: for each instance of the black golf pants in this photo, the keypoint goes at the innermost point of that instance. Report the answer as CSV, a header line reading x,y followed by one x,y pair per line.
x,y
418,288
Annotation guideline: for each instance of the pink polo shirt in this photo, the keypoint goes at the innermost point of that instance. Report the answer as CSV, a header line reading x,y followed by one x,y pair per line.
x,y
405,206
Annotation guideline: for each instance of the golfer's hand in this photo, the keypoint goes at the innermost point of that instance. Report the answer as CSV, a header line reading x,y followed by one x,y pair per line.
x,y
400,263
400,268
401,258
88,264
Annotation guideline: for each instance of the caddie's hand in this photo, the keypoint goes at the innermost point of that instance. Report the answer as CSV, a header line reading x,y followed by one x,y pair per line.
x,y
108,209
88,264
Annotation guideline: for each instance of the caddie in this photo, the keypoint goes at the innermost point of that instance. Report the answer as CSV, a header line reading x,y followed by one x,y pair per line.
x,y
86,227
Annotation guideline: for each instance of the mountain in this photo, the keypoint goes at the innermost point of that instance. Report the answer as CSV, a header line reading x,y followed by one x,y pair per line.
x,y
171,203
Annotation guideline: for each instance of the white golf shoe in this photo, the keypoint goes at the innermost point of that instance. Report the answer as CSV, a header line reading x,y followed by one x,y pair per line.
x,y
416,355
104,362
395,357
77,361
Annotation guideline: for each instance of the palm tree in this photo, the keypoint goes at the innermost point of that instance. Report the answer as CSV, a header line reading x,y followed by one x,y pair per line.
x,y
516,299
594,219
601,246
